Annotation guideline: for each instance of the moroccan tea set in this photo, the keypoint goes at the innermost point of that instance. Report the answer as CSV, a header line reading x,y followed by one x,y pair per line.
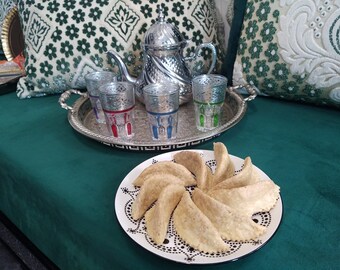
x,y
166,107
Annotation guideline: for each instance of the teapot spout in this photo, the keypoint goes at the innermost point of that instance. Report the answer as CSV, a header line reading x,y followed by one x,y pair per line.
x,y
122,67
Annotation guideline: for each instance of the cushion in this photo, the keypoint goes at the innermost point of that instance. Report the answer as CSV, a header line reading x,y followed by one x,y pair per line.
x,y
66,39
290,50
224,15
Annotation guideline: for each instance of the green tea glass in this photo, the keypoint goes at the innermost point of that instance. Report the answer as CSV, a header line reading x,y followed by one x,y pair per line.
x,y
209,94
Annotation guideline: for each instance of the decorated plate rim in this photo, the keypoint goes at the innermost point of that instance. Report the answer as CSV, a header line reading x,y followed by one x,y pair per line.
x,y
175,249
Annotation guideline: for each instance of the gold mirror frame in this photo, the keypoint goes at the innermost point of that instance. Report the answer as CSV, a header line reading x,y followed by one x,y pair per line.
x,y
11,36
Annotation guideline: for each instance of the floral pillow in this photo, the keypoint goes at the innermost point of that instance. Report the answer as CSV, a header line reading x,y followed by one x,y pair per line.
x,y
290,49
66,39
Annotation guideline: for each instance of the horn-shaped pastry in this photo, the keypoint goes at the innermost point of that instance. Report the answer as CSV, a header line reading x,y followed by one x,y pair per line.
x,y
230,224
166,167
195,228
250,199
157,218
149,193
195,164
225,167
247,176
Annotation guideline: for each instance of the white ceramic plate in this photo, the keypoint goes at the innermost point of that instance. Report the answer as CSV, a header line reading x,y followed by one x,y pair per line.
x,y
173,247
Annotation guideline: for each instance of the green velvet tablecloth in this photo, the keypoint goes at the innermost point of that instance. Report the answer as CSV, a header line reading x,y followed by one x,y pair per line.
x,y
59,187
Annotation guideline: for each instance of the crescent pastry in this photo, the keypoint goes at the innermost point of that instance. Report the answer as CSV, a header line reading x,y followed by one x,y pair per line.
x,y
157,218
247,176
250,199
225,167
166,167
210,177
149,193
195,164
230,224
195,228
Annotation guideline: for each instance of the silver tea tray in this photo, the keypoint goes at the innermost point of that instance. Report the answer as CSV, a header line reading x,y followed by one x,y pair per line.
x,y
82,119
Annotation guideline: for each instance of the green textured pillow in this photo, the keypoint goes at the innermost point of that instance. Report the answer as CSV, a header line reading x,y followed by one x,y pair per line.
x,y
66,39
291,50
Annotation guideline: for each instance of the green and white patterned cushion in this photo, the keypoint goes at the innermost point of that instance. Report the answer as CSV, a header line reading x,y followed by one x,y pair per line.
x,y
291,50
66,39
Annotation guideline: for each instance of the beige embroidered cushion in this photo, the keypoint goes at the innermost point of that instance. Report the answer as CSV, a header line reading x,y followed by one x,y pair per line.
x,y
290,49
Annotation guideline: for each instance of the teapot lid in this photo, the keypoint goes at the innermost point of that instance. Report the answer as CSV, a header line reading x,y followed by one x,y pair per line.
x,y
162,34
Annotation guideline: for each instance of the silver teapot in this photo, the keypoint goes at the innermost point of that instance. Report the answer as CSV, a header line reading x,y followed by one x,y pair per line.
x,y
163,59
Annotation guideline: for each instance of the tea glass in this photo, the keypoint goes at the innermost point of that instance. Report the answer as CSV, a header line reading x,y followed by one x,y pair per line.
x,y
118,102
93,81
162,103
208,94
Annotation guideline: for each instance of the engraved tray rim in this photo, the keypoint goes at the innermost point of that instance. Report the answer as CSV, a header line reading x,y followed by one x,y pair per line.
x,y
77,124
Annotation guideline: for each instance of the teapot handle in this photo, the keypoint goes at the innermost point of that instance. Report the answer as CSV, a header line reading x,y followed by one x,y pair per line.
x,y
210,46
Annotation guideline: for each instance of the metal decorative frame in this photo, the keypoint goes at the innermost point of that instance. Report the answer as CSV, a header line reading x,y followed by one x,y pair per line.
x,y
12,39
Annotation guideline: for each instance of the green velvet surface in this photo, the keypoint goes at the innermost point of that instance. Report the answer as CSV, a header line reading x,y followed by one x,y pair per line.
x,y
59,187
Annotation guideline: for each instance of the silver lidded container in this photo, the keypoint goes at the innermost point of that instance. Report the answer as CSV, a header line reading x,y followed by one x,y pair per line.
x,y
163,59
